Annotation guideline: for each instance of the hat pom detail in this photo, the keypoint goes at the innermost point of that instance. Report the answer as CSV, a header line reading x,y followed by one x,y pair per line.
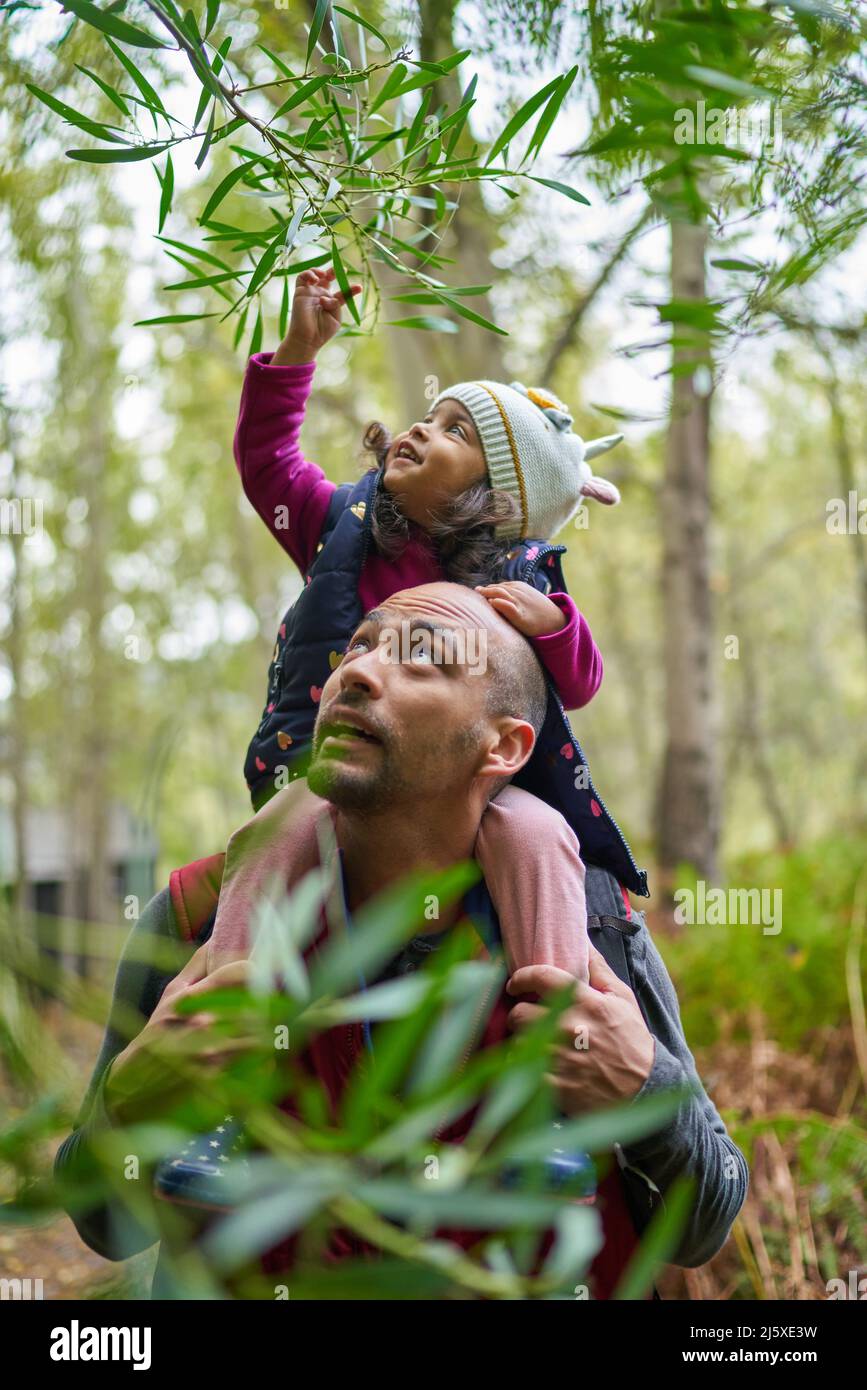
x,y
554,409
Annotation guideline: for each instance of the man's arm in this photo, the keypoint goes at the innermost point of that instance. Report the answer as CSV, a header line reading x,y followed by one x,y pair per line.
x,y
696,1141
636,1048
108,1227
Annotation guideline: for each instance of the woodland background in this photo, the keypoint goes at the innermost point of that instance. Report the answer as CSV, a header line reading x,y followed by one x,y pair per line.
x,y
743,413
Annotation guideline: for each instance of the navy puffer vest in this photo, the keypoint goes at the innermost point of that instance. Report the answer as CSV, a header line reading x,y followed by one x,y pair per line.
x,y
314,633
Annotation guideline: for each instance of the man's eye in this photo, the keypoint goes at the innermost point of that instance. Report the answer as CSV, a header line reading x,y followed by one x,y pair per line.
x,y
356,644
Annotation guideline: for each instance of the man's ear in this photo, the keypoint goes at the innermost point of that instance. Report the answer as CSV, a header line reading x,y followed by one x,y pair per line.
x,y
509,748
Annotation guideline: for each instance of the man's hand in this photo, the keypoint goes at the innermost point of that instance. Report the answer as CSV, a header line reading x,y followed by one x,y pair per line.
x,y
315,317
149,1074
524,607
610,1058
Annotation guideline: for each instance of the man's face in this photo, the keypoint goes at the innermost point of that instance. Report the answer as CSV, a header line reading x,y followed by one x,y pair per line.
x,y
403,717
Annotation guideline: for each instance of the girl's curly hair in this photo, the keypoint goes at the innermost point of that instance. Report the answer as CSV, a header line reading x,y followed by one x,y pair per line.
x,y
462,529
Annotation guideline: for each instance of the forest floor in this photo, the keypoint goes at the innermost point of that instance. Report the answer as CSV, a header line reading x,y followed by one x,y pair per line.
x,y
795,1231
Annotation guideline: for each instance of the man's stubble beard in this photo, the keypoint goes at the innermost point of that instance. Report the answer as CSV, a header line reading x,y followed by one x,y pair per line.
x,y
392,783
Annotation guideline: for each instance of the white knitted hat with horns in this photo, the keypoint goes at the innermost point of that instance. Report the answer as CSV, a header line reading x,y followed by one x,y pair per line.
x,y
532,452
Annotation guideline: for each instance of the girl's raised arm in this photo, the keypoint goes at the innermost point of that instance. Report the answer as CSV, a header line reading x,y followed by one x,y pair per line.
x,y
290,493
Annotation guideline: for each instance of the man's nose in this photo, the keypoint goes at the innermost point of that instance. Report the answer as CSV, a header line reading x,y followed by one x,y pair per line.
x,y
363,673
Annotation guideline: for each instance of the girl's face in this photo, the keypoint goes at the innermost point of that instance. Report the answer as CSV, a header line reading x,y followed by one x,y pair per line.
x,y
433,461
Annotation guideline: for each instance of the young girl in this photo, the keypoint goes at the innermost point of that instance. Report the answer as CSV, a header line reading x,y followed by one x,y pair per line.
x,y
488,468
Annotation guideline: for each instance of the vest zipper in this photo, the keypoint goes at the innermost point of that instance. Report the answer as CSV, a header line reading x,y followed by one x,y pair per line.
x,y
367,524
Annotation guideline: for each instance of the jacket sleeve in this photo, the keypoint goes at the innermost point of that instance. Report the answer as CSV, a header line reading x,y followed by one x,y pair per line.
x,y
571,657
290,493
695,1141
107,1225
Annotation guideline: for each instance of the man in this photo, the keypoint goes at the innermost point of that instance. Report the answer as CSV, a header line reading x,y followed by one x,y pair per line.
x,y
407,754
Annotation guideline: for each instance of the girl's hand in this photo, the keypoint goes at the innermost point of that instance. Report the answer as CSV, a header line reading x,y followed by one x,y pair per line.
x,y
315,317
524,607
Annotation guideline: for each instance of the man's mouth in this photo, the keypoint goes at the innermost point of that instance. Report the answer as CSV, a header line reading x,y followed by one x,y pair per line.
x,y
348,729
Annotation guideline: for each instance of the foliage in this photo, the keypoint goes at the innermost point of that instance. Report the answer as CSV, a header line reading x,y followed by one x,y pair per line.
x,y
378,1166
311,159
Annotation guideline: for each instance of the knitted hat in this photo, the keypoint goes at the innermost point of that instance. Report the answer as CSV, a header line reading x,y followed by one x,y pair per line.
x,y
532,452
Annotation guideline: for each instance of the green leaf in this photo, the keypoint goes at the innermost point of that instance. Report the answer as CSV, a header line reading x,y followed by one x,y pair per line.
x,y
430,323
561,188
393,999
444,65
110,24
723,82
302,94
466,313
152,101
578,1239
213,9
220,56
73,117
278,62
239,331
520,118
128,156
548,116
201,282
416,127
206,143
467,102
659,1242
168,184
459,1025
172,318
284,310
114,97
382,925
596,1133
389,87
730,263
254,1226
365,24
256,336
191,27
472,1206
195,252
316,27
343,282
204,98
225,186
266,261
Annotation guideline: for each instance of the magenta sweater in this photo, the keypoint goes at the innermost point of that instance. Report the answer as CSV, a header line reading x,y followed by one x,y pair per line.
x,y
275,474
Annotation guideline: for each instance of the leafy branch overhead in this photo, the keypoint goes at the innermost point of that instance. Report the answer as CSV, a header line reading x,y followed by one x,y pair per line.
x,y
346,172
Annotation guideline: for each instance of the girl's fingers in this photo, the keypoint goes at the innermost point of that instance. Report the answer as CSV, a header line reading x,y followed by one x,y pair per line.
x,y
504,604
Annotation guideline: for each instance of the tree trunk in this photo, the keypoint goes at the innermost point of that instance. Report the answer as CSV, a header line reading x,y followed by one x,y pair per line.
x,y
425,363
688,809
848,483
